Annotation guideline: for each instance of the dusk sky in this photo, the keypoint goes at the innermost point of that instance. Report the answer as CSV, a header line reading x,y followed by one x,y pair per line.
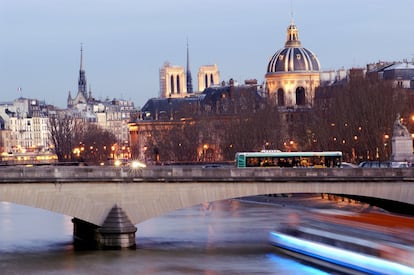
x,y
126,42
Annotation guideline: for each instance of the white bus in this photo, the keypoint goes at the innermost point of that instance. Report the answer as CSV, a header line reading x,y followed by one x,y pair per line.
x,y
327,159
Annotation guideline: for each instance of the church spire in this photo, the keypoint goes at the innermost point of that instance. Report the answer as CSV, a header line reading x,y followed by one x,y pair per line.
x,y
189,79
82,77
81,58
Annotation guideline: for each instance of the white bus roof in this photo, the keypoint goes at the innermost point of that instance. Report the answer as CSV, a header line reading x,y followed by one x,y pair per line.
x,y
291,154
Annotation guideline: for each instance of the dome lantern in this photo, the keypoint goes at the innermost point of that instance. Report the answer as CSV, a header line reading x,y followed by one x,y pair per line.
x,y
292,36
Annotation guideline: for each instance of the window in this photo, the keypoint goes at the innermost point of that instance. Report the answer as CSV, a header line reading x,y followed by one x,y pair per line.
x,y
280,97
178,84
300,96
172,84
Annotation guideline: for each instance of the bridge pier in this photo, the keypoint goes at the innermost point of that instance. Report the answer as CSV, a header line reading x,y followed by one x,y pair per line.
x,y
116,232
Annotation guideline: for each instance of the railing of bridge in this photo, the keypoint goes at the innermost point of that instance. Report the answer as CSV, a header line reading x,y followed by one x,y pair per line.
x,y
68,174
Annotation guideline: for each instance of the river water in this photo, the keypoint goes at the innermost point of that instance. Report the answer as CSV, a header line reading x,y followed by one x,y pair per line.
x,y
224,237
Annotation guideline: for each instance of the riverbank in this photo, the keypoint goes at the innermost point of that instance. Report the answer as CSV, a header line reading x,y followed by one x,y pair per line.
x,y
312,201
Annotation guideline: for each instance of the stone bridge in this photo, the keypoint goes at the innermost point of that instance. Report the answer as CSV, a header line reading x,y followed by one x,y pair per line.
x,y
107,202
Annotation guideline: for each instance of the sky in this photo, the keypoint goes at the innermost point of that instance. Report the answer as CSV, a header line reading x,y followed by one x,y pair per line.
x,y
126,42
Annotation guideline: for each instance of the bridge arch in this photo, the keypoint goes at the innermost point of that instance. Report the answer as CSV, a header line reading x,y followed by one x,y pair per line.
x,y
91,194
92,202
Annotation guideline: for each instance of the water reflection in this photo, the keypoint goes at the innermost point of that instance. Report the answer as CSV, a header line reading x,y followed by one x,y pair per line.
x,y
225,237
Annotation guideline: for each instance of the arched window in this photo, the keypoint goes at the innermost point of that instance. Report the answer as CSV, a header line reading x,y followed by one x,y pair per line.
x,y
280,97
172,84
211,79
178,84
206,80
300,96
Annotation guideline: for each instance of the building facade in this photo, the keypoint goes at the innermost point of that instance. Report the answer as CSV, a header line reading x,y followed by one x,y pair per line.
x,y
26,124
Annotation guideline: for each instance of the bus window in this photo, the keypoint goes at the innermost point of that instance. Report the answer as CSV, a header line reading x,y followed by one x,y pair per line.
x,y
252,162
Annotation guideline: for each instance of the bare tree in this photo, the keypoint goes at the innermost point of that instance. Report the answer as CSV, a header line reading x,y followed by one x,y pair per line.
x,y
64,132
96,144
252,131
358,118
75,140
172,141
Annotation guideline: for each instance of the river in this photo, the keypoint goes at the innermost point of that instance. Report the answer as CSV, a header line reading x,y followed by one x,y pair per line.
x,y
224,237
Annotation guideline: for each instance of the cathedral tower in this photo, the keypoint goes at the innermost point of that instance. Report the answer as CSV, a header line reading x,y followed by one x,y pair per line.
x,y
208,75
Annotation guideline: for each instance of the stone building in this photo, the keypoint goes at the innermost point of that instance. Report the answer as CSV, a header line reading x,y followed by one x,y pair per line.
x,y
26,123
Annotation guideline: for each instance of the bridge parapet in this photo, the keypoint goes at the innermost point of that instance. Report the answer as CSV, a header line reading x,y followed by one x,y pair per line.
x,y
61,174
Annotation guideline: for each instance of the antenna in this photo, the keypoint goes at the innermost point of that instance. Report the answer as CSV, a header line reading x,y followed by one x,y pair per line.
x,y
291,12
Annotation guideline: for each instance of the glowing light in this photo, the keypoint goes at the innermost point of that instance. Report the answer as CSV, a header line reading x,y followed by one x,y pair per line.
x,y
135,164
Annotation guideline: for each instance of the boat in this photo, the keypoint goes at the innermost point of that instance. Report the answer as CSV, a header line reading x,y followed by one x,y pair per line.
x,y
354,243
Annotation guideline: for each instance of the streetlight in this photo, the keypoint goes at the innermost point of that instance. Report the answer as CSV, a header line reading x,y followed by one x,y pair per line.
x,y
77,151
386,142
205,147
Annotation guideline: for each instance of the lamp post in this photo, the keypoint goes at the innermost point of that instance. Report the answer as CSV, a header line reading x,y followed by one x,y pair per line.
x,y
386,141
205,147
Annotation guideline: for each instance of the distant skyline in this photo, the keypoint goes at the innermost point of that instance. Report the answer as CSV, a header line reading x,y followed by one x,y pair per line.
x,y
126,42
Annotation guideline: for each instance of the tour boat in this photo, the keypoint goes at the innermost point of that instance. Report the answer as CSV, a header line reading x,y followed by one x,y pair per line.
x,y
350,242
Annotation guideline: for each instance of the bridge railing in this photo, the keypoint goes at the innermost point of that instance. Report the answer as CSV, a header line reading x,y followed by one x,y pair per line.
x,y
62,174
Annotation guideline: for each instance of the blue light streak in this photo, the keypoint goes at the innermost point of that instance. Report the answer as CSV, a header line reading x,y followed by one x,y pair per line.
x,y
349,259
